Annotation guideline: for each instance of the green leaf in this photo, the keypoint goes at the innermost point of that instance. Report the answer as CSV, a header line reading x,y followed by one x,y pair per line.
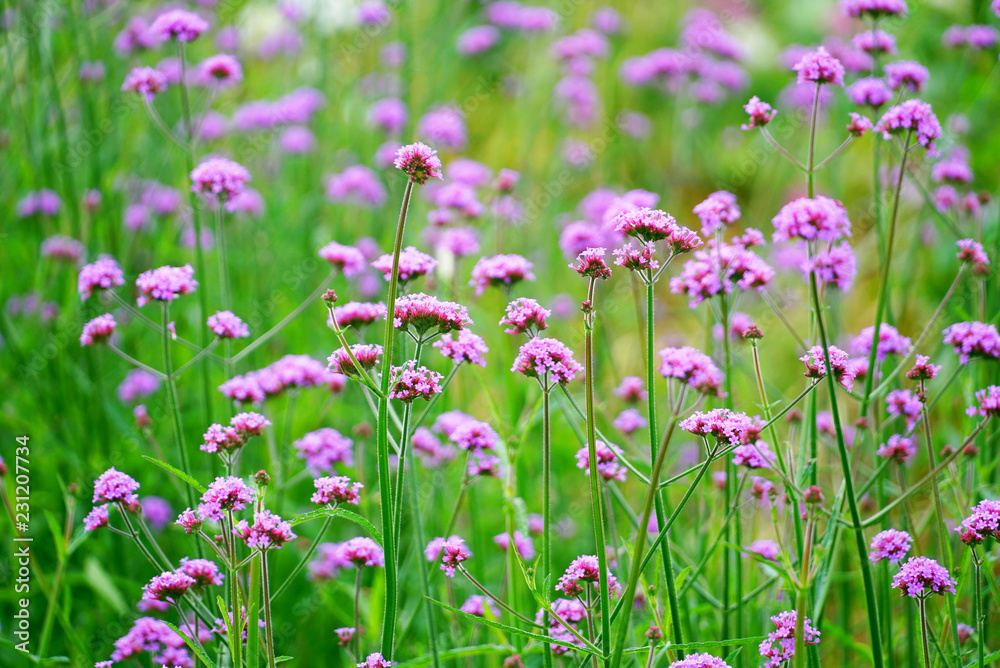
x,y
681,577
57,534
282,659
731,657
192,645
459,652
230,634
709,644
510,629
177,472
102,584
341,513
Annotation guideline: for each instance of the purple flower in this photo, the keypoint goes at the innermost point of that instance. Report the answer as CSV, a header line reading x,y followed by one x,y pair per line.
x,y
410,382
820,67
629,421
419,162
875,9
768,549
476,605
891,545
875,42
809,219
165,284
890,342
815,361
582,571
982,524
358,314
234,436
146,81
650,225
717,211
465,347
988,401
179,25
923,369
137,384
920,577
724,425
904,403
912,116
836,266
297,140
973,339
754,455
98,330
202,571
412,264
898,448
859,125
423,316
223,495
219,177
720,269
429,449
971,253
607,465
779,648
591,264
476,40
267,531
220,70
692,368
444,126
870,91
459,241
525,316
336,489
632,389
453,552
348,259
167,587
323,448
96,518
375,659
549,360
760,113
226,325
906,74
61,247
388,115
373,13
473,436
523,544
500,270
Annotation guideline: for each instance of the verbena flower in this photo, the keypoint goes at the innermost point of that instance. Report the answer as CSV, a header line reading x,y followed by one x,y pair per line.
x,y
699,660
768,549
721,269
591,264
523,544
453,552
874,9
226,325
549,360
898,448
923,369
323,448
973,339
820,67
629,421
911,116
221,178
179,25
375,660
345,634
692,368
96,518
717,211
167,587
419,162
819,218
760,113
420,314
410,382
367,355
165,284
987,403
146,81
501,271
582,571
607,461
348,259
859,125
921,576
971,253
875,42
485,465
203,571
525,316
815,361
474,435
477,604
640,259
268,530
224,495
102,274
464,347
906,404
905,74
982,524
779,647
836,266
358,185
632,389
755,455
891,545
358,314
412,264
233,437
870,92
429,449
220,70
113,486
98,330
724,425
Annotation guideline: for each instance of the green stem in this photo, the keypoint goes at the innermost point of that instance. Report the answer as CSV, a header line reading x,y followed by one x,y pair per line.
x,y
220,243
305,558
425,585
546,509
268,625
925,646
382,444
175,410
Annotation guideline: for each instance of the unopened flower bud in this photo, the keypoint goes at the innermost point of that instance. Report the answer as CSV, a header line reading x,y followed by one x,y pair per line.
x,y
654,633
587,306
330,297
362,430
793,416
513,661
262,478
753,332
813,495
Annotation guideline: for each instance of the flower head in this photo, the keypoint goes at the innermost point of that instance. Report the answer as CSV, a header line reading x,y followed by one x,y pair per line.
x,y
525,316
699,660
971,253
357,184
464,347
420,314
366,354
523,544
98,330
96,518
500,270
768,549
165,284
836,266
898,448
412,264
905,74
890,342
222,178
920,577
358,314
410,382
760,113
754,455
987,403
923,369
167,587
875,9
419,162
720,269
348,259
640,259
607,465
973,339
717,211
779,647
808,219
267,531
547,359
859,125
103,274
632,389
591,264
147,81
815,361
692,368
820,67
226,325
891,545
477,605
453,552
581,572
179,25
982,524
375,660
114,486
323,448
223,495
202,571
629,421
911,116
869,92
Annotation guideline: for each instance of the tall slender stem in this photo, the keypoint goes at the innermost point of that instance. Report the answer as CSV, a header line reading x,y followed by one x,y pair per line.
x,y
268,625
382,443
357,613
980,613
596,499
925,646
220,243
175,411
546,507
425,586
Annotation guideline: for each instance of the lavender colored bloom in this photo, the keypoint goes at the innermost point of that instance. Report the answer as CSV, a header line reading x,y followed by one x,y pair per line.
x,y
165,284
591,264
375,660
973,339
203,571
357,184
921,577
98,330
220,70
859,125
137,384
815,361
420,314
453,552
981,36
923,369
167,587
500,270
836,266
157,512
476,40
179,25
268,530
629,421
103,274
870,92
608,466
146,81
906,73
224,495
755,455
373,13
419,162
988,401
525,316
226,325
459,241
96,518
820,218
875,42
632,389
640,259
779,648
241,428
297,140
219,177
580,235
890,342
982,524
912,116
953,170
61,247
410,382
444,126
388,115
92,71
336,489
358,314
429,449
114,486
719,269
524,545
549,360
718,210
768,549
898,448
760,113
820,67
692,368
412,264
891,545
874,9
465,347
476,605
323,448
972,253
348,259
606,19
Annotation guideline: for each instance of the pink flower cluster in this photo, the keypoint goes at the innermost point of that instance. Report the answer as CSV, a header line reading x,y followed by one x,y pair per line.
x,y
147,81
103,274
476,605
607,461
898,448
971,253
412,264
267,531
523,544
179,25
419,162
429,449
870,92
525,316
717,211
819,218
891,545
911,116
699,660
167,587
165,283
820,67
410,382
591,264
873,8
501,271
651,225
289,372
843,371
921,576
420,314
905,404
453,552
632,388
323,448
756,455
348,259
923,369
692,368
760,113
226,325
982,524
113,486
549,360
233,437
890,342
719,269
219,177
464,347
779,647
98,330
987,402
358,314
726,426
366,354
906,74
356,184
582,571
224,495
973,339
